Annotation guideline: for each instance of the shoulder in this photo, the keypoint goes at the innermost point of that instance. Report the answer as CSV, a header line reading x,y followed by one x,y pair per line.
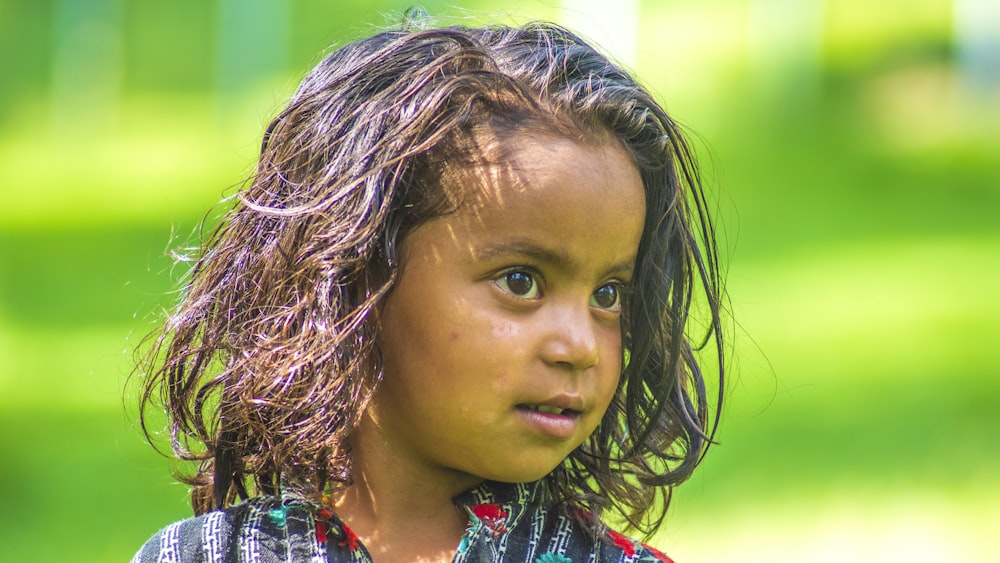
x,y
249,532
568,543
517,522
546,534
605,546
629,549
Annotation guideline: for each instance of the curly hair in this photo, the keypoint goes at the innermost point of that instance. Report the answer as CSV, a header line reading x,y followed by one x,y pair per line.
x,y
270,359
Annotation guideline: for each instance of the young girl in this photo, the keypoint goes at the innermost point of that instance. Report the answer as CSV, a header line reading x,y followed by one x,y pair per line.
x,y
447,319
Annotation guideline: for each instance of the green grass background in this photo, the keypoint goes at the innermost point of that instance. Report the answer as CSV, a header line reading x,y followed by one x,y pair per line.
x,y
858,197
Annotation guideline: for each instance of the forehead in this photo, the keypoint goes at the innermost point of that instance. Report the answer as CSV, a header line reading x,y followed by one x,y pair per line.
x,y
563,197
509,171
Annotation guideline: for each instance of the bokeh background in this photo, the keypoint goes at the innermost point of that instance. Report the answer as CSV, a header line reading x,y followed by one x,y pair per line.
x,y
853,147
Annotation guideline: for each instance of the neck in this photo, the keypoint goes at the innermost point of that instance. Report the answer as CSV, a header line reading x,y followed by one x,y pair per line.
x,y
401,511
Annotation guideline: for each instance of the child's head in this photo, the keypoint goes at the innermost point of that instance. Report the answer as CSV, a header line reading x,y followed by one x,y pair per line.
x,y
339,289
501,338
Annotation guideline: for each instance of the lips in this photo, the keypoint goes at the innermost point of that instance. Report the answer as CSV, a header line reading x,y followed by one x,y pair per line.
x,y
550,409
557,417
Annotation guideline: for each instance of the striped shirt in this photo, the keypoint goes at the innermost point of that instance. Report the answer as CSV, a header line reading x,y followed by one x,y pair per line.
x,y
506,523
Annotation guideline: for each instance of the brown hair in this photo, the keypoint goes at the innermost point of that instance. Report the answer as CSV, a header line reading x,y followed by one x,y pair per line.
x,y
270,359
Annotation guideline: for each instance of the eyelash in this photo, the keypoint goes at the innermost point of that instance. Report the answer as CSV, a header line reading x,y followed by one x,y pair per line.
x,y
503,281
619,288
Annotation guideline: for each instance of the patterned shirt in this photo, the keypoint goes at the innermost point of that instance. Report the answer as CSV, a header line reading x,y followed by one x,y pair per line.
x,y
506,523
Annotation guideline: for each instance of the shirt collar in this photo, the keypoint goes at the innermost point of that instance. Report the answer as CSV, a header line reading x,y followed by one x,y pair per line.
x,y
495,492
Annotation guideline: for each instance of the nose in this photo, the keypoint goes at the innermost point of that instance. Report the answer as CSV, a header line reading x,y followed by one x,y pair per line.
x,y
571,338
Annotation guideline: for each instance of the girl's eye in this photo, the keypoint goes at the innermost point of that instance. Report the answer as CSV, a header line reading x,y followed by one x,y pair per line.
x,y
520,283
607,297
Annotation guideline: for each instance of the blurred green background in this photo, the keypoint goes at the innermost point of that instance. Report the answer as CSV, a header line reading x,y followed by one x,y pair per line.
x,y
854,147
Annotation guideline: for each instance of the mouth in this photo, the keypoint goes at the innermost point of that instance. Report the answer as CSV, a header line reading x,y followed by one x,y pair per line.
x,y
551,421
550,409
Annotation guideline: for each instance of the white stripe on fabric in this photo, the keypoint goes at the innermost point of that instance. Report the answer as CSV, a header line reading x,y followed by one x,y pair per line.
x,y
249,536
170,544
211,537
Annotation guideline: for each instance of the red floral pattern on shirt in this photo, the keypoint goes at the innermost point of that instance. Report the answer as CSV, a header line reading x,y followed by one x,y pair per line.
x,y
623,542
629,546
492,516
350,540
322,518
657,554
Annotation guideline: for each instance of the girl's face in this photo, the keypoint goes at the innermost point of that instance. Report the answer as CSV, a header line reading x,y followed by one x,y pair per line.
x,y
501,340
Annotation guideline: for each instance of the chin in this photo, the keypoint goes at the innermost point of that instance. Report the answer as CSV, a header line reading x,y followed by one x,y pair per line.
x,y
524,474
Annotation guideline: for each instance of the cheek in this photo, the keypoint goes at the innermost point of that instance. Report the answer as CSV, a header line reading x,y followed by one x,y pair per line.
x,y
501,380
611,345
505,330
613,355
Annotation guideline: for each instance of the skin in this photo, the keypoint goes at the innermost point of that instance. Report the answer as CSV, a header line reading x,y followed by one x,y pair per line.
x,y
508,304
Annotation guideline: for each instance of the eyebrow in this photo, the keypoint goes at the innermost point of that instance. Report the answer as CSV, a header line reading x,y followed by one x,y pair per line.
x,y
533,250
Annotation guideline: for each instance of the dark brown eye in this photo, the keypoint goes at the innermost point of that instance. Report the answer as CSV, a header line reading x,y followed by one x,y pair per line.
x,y
607,297
519,283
